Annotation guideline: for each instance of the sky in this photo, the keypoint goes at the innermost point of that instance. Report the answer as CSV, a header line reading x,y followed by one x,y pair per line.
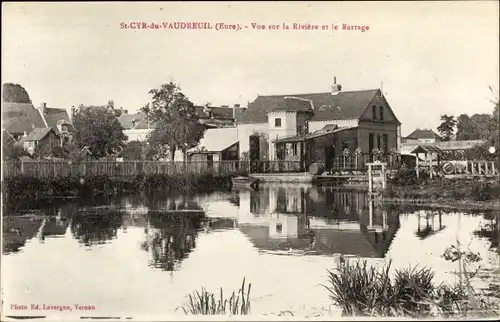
x,y
432,58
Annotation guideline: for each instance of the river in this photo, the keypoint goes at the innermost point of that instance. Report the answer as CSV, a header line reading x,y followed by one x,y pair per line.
x,y
139,256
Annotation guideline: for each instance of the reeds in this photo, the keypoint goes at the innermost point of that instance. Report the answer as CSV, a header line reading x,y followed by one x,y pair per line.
x,y
204,302
368,291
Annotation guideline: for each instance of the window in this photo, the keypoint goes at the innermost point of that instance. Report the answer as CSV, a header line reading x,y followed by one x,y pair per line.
x,y
277,122
371,142
295,149
279,228
381,113
378,141
374,112
345,145
386,143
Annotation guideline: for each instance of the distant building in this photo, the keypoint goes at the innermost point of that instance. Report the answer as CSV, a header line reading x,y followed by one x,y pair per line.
x,y
20,119
216,145
422,136
59,120
41,139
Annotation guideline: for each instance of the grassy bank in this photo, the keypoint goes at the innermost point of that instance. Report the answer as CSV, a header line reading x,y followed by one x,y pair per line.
x,y
405,188
31,190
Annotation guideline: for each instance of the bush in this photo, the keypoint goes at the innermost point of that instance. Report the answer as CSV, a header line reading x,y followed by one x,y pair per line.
x,y
482,191
405,177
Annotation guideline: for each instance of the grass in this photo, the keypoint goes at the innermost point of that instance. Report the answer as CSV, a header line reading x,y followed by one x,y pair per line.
x,y
362,290
203,302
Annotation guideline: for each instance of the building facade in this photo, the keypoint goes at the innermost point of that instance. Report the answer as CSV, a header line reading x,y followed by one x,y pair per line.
x,y
318,127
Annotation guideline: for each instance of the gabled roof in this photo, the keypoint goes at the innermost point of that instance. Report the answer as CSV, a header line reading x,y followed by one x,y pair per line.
x,y
20,117
217,140
38,134
342,106
423,134
54,115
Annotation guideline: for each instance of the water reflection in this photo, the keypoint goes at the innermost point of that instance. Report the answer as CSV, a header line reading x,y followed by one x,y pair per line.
x,y
429,223
96,227
315,220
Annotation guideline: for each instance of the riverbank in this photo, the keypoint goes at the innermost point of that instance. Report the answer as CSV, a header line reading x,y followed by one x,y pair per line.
x,y
446,194
29,190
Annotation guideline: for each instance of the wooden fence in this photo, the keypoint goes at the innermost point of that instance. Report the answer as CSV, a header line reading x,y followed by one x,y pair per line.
x,y
54,169
470,168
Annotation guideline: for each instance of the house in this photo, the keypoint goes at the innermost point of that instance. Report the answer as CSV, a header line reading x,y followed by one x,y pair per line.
x,y
219,144
135,126
21,118
317,127
40,139
215,116
422,136
59,120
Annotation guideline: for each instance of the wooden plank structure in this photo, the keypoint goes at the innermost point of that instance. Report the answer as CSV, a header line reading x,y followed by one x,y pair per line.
x,y
429,151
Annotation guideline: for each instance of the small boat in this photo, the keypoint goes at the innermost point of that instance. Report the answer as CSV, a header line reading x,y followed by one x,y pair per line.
x,y
245,182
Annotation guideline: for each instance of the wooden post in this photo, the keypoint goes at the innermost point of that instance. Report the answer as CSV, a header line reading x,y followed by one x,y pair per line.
x,y
416,167
430,164
370,185
383,176
370,213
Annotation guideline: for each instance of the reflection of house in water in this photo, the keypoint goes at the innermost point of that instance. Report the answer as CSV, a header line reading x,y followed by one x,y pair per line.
x,y
315,219
429,223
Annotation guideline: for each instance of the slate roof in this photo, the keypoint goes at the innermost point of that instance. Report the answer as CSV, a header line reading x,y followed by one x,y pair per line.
x,y
127,120
20,117
217,140
38,134
295,104
342,106
423,134
326,130
217,112
53,115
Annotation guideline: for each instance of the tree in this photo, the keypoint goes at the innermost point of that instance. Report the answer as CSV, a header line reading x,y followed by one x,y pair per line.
x,y
133,151
10,150
447,127
15,93
98,129
174,116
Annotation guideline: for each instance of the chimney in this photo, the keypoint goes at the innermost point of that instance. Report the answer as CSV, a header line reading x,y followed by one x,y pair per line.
x,y
236,105
111,104
336,88
73,113
43,107
125,111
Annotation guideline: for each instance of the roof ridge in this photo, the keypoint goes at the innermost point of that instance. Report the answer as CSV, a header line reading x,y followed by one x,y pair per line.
x,y
317,93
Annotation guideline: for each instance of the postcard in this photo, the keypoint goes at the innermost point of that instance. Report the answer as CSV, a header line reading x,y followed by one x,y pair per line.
x,y
250,160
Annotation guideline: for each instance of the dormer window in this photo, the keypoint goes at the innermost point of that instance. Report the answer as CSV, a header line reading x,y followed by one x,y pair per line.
x,y
374,112
381,113
277,122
